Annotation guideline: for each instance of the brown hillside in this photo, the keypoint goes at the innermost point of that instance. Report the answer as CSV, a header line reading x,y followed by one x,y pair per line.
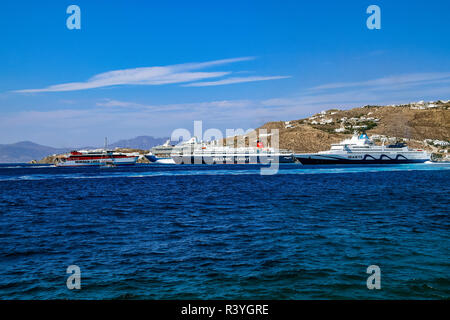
x,y
399,122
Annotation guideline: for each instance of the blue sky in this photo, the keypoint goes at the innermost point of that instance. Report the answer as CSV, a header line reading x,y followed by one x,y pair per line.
x,y
149,67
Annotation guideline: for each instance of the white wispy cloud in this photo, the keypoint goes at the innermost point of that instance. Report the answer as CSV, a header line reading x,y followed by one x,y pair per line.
x,y
180,73
412,79
233,80
216,105
117,103
95,119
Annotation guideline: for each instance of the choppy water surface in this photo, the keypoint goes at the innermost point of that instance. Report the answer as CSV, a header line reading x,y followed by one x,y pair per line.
x,y
225,231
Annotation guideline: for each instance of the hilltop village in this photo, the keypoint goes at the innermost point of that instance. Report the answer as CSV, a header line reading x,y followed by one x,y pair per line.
x,y
420,124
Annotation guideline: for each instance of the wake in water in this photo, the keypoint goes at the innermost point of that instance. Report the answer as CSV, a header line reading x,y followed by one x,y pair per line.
x,y
28,172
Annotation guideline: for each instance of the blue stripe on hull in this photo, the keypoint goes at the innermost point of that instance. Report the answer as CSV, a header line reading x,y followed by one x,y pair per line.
x,y
151,158
368,159
307,161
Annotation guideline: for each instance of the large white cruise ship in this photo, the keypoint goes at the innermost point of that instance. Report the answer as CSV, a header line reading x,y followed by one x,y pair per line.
x,y
194,152
361,150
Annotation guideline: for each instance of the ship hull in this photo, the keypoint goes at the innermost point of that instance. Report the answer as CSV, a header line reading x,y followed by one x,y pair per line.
x,y
317,159
154,159
230,159
128,161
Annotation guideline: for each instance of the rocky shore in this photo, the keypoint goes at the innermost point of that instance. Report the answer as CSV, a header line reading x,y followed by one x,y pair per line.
x,y
420,127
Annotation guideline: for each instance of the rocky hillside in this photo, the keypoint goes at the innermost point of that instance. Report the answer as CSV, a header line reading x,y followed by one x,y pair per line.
x,y
424,125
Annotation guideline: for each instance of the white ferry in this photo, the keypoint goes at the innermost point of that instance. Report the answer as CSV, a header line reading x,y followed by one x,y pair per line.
x,y
362,150
99,157
193,152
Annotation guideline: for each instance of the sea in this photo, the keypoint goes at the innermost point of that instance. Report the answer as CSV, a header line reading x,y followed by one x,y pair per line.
x,y
225,232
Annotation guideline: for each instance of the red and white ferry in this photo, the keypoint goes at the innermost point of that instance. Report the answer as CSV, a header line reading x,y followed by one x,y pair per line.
x,y
99,157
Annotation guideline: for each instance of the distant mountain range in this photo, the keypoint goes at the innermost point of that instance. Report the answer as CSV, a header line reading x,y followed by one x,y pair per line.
x,y
26,151
141,142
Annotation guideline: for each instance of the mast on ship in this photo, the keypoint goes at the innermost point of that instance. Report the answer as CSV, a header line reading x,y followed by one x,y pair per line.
x,y
105,147
105,152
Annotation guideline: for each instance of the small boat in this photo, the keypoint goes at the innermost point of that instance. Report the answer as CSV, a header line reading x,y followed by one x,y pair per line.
x,y
108,164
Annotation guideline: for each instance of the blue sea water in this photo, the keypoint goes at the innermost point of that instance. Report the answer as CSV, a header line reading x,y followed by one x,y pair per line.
x,y
225,232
